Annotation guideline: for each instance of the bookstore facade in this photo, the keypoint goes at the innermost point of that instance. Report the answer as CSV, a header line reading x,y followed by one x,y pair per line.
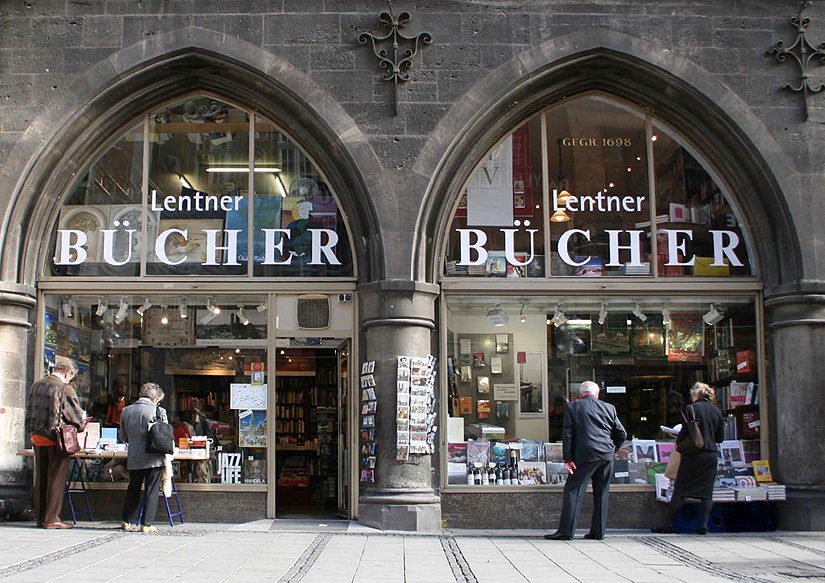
x,y
254,243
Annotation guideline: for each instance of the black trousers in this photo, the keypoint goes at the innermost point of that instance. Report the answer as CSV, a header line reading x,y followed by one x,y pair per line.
x,y
133,501
51,468
574,490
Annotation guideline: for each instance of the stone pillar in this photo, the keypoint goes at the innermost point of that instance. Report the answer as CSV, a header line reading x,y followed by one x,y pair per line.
x,y
16,303
397,318
796,402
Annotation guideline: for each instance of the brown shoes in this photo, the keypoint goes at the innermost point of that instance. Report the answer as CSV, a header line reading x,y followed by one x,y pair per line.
x,y
57,525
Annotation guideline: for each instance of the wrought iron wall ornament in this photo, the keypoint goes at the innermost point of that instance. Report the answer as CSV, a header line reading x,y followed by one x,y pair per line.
x,y
803,52
393,56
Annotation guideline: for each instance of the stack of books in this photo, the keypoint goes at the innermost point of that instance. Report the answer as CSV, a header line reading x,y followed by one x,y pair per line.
x,y
751,494
642,269
454,269
775,491
477,269
724,495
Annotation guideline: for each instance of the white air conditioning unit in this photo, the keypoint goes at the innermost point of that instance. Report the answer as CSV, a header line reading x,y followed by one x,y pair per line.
x,y
313,312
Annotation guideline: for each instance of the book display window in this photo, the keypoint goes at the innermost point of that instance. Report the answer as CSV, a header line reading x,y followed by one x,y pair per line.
x,y
594,188
208,354
514,363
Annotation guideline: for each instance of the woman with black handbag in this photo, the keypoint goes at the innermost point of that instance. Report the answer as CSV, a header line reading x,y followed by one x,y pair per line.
x,y
702,428
144,465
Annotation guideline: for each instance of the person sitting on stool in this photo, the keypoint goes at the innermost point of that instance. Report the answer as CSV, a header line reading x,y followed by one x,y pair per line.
x,y
591,436
142,466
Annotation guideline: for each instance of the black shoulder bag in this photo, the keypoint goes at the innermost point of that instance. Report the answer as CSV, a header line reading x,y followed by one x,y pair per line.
x,y
694,441
161,438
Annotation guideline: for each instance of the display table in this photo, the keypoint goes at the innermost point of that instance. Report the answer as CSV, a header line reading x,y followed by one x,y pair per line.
x,y
76,483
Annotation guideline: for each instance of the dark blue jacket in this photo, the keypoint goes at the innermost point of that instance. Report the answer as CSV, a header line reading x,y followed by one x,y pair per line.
x,y
591,431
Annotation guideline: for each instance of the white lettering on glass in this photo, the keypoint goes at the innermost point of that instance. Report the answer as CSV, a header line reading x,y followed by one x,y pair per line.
x,y
720,249
467,246
212,247
674,246
318,248
66,247
271,246
635,247
510,246
109,247
160,246
564,251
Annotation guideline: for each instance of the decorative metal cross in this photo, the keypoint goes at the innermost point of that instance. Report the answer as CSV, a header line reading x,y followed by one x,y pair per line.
x,y
398,64
803,52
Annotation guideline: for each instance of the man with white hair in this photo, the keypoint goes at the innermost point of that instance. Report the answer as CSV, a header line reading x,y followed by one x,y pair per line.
x,y
592,434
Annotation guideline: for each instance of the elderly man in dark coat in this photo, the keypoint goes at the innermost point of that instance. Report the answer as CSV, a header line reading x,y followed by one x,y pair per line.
x,y
143,467
592,434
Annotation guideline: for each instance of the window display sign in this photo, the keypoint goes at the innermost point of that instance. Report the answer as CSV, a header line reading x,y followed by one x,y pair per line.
x,y
247,396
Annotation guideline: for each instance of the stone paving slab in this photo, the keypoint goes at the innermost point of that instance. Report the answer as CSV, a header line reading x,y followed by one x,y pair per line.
x,y
349,553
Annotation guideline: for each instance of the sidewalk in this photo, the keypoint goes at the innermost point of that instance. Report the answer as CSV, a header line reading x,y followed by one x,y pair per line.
x,y
307,551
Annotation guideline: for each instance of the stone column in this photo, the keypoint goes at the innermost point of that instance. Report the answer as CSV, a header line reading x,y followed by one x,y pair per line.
x,y
16,303
397,318
796,402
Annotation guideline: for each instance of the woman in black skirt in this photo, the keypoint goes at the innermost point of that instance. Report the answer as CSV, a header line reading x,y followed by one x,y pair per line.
x,y
697,471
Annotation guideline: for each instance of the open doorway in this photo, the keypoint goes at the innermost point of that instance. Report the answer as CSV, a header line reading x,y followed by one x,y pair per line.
x,y
309,391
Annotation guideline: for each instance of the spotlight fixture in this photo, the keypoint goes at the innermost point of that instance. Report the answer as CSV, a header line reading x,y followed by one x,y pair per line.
x,y
101,307
497,316
145,306
164,318
207,317
261,307
67,309
637,311
523,314
212,307
242,316
712,316
603,314
183,181
182,309
558,319
666,320
122,311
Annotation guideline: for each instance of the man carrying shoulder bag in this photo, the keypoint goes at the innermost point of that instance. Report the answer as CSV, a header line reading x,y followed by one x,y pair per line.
x,y
144,467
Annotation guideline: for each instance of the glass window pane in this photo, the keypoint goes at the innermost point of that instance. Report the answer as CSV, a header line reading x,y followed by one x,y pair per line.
x,y
600,203
120,342
198,184
500,212
696,223
299,229
98,230
644,353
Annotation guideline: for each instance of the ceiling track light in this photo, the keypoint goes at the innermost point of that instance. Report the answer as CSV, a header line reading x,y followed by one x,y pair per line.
x,y
637,311
497,316
712,316
261,307
558,319
164,318
212,307
242,316
145,306
122,311
523,314
183,310
67,308
101,306
667,322
207,317
603,314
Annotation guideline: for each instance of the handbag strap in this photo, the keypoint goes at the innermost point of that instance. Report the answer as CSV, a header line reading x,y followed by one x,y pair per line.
x,y
62,400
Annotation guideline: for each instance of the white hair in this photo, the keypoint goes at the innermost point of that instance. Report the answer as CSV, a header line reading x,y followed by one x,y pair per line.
x,y
589,388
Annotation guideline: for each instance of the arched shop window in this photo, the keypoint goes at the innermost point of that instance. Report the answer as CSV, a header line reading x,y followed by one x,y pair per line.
x,y
612,172
172,195
593,188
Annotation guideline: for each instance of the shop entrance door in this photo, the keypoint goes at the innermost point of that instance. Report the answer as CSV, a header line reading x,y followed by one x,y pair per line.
x,y
311,454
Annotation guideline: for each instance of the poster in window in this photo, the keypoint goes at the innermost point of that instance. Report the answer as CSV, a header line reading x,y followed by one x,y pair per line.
x,y
89,219
648,338
490,190
686,338
252,428
611,337
192,248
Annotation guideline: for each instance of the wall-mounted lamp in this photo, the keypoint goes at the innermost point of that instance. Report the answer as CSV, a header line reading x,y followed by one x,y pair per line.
x,y
637,311
603,314
67,309
523,314
667,322
182,309
212,307
242,316
164,318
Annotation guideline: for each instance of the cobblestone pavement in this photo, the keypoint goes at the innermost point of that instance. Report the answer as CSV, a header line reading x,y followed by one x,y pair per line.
x,y
312,552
